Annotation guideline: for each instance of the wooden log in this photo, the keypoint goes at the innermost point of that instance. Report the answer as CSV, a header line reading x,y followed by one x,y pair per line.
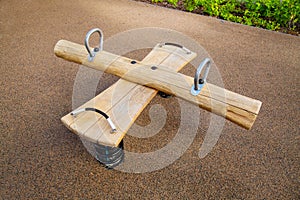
x,y
234,107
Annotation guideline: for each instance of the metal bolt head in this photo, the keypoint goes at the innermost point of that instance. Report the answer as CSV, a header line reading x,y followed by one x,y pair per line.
x,y
153,67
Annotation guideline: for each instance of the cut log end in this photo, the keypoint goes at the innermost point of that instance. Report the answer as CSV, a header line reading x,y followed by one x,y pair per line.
x,y
62,48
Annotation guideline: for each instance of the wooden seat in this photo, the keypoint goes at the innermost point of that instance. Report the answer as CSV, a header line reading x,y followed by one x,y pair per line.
x,y
124,101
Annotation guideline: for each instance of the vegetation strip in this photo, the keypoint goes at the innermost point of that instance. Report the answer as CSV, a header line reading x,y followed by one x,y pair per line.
x,y
275,15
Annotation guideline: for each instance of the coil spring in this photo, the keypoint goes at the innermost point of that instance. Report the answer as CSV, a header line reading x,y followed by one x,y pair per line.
x,y
110,157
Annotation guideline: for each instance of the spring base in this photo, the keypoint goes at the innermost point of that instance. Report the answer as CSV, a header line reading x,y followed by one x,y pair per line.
x,y
110,157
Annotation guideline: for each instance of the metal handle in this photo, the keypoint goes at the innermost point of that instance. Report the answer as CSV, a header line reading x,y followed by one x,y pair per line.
x,y
87,45
176,45
112,125
199,82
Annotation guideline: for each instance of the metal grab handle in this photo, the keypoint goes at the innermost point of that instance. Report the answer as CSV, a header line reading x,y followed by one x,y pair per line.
x,y
87,45
199,82
112,125
176,45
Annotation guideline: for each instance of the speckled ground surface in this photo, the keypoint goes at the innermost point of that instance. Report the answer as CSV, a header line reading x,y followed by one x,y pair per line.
x,y
41,159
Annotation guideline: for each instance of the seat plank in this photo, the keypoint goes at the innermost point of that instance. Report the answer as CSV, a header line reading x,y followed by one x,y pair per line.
x,y
124,100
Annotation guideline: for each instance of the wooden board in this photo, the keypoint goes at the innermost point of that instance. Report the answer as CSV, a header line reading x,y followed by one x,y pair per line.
x,y
124,100
235,107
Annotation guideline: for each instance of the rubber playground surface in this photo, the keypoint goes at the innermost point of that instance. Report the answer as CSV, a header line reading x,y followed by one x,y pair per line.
x,y
42,159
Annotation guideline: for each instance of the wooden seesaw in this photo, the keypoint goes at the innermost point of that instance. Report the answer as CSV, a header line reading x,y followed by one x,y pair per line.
x,y
105,119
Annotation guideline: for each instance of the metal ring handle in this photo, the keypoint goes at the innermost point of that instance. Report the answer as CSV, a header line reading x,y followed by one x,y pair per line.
x,y
87,45
112,125
199,82
176,45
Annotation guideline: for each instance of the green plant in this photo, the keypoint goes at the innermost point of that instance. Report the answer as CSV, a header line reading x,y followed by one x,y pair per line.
x,y
191,5
173,2
269,14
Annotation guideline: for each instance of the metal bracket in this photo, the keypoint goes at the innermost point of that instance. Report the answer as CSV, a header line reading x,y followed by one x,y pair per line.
x,y
200,82
87,45
164,95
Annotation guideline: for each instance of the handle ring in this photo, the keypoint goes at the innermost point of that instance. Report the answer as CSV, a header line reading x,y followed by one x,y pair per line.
x,y
176,45
93,52
112,125
200,82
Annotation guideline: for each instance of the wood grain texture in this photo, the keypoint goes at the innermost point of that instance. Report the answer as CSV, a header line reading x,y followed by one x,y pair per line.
x,y
234,107
123,101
